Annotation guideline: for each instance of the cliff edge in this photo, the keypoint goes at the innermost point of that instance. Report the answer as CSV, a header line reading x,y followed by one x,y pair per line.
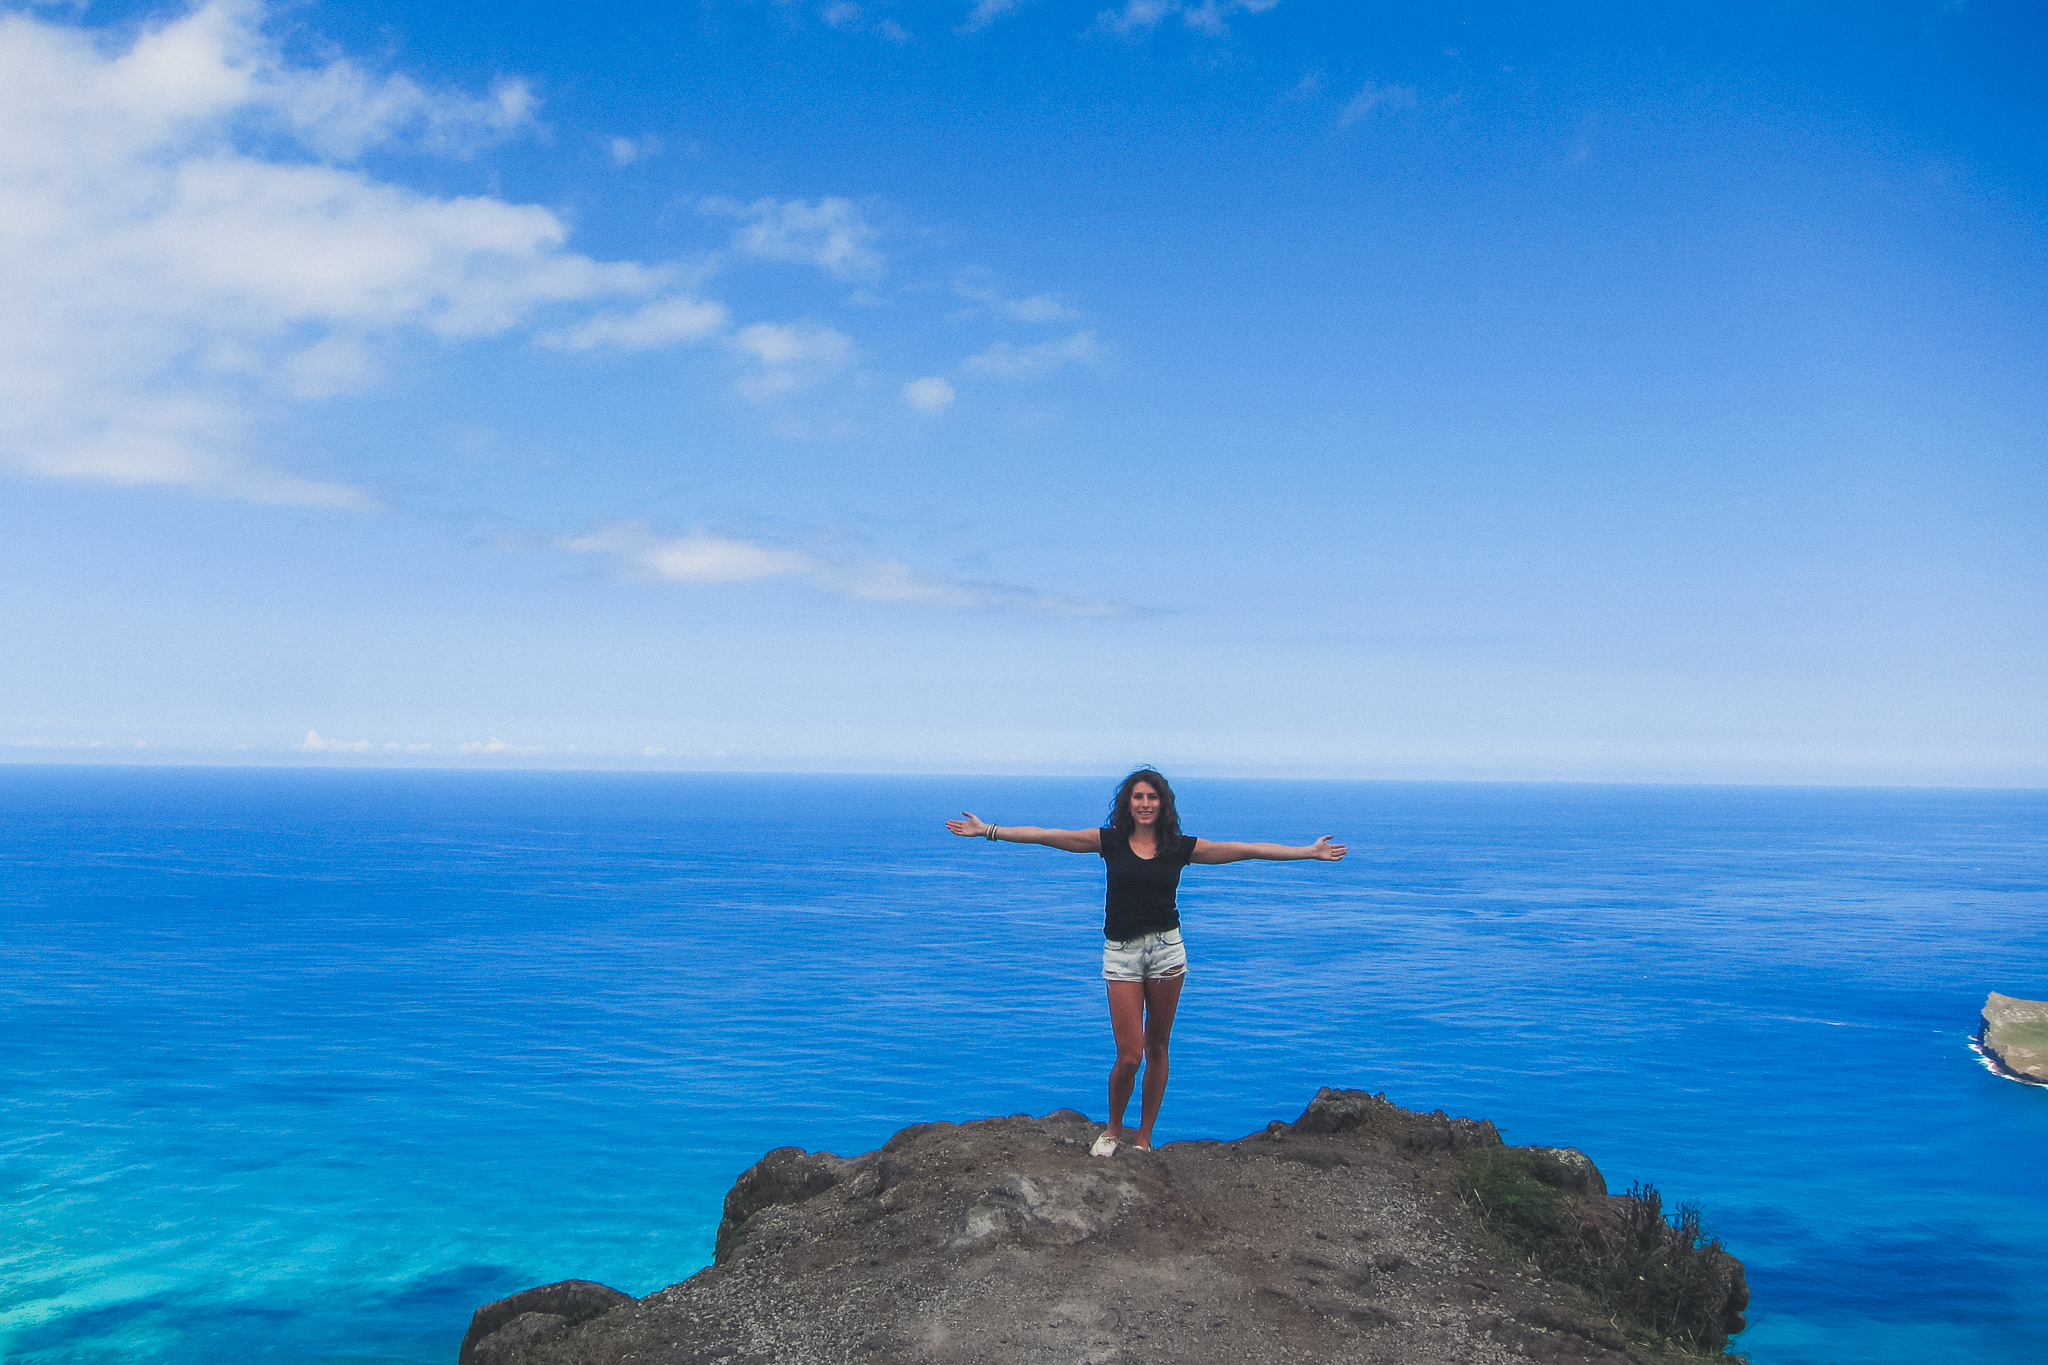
x,y
1360,1232
2014,1035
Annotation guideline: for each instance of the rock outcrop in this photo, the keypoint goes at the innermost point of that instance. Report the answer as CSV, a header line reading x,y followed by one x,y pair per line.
x,y
2014,1036
1340,1237
499,1333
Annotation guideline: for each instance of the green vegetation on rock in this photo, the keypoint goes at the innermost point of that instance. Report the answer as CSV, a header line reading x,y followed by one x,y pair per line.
x,y
1666,1283
2015,1035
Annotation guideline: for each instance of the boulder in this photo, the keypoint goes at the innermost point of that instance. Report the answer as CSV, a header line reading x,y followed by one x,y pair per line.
x,y
1568,1169
1346,1111
500,1332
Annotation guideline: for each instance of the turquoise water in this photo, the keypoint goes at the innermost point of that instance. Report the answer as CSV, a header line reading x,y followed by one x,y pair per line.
x,y
303,1066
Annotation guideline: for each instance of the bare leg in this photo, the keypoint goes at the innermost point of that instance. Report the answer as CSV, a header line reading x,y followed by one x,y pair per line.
x,y
1162,998
1141,1014
1127,1019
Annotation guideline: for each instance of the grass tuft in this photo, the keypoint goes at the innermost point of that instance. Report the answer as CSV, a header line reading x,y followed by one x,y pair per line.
x,y
1665,1282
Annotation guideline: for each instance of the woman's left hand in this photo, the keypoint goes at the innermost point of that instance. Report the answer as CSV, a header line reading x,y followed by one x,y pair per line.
x,y
1327,851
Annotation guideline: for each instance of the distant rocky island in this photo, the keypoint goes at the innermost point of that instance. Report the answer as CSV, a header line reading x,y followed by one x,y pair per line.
x,y
2014,1037
1361,1232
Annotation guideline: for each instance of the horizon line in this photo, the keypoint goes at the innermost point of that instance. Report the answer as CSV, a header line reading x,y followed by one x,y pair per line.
x,y
1195,772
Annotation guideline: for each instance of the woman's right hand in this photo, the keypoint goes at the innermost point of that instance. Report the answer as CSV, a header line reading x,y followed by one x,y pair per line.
x,y
970,827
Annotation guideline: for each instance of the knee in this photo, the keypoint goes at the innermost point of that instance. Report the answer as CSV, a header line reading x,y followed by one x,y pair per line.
x,y
1155,1054
1127,1060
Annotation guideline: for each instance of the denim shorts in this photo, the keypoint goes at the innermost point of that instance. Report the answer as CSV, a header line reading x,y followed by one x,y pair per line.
x,y
1144,958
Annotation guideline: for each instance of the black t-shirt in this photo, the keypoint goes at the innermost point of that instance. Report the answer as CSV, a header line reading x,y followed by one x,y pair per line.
x,y
1141,890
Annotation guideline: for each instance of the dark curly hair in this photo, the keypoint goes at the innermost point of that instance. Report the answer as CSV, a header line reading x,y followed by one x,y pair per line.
x,y
1166,833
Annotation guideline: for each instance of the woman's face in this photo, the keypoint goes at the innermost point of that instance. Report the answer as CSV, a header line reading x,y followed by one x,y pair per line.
x,y
1144,803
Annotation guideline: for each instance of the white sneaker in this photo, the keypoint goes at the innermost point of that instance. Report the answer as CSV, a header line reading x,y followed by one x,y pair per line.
x,y
1104,1145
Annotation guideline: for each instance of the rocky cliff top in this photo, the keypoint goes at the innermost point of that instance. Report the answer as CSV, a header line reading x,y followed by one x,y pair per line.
x,y
1349,1235
2014,1036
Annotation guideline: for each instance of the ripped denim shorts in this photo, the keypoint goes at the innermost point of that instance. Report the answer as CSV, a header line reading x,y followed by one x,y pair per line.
x,y
1144,958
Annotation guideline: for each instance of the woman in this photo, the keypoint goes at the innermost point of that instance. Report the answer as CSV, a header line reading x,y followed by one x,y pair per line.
x,y
1143,959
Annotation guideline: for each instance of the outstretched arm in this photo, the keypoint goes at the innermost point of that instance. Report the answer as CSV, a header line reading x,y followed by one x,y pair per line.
x,y
1322,850
1072,840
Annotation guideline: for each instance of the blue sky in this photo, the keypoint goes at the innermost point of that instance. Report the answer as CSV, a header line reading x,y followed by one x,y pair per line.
x,y
1616,392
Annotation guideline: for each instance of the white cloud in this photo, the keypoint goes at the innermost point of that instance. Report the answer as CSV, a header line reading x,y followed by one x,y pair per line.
x,y
167,287
848,17
793,357
342,112
1308,87
1005,361
1210,14
1142,16
627,150
695,558
494,745
663,322
314,743
701,557
929,395
775,344
1376,97
984,13
830,234
1037,308
330,366
1136,15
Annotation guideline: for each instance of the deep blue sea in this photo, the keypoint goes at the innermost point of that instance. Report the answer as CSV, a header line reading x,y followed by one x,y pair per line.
x,y
301,1066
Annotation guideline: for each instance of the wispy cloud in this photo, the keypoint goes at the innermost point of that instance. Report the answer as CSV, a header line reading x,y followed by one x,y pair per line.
x,y
984,13
315,743
830,234
793,357
664,322
705,558
1308,87
342,111
1376,97
849,17
174,267
327,368
932,394
1006,361
494,745
625,151
1037,308
1137,16
1210,16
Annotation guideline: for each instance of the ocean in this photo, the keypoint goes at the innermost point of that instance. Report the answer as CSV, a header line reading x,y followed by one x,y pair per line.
x,y
302,1066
